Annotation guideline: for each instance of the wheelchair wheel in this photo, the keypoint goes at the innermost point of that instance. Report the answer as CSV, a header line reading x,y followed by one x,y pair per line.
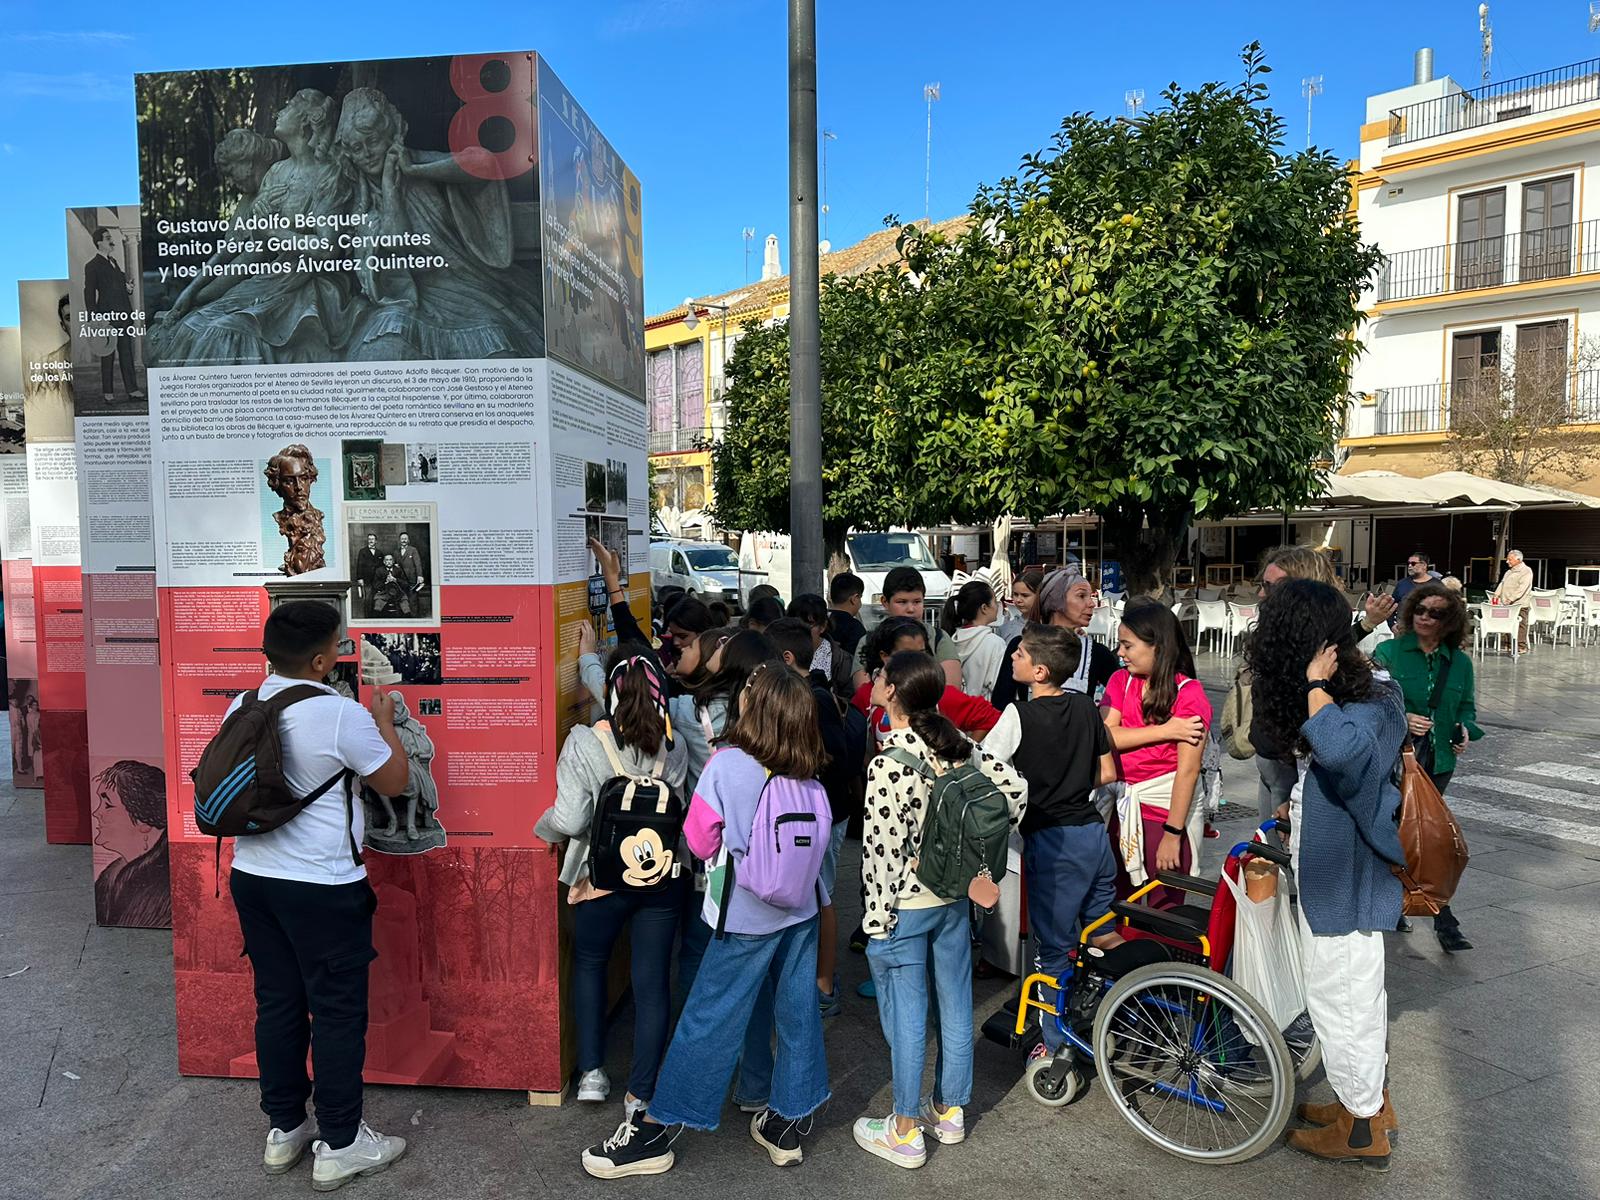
x,y
1305,1048
1055,1082
1194,1063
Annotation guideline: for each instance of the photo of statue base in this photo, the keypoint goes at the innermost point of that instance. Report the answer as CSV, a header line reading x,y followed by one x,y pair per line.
x,y
407,823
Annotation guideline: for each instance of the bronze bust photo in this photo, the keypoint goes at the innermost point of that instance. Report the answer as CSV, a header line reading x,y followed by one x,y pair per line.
x,y
290,473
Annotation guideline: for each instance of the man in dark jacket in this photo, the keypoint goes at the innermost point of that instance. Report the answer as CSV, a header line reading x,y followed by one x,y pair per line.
x,y
109,301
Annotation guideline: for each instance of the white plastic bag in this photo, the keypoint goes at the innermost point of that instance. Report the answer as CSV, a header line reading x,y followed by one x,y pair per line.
x,y
1266,951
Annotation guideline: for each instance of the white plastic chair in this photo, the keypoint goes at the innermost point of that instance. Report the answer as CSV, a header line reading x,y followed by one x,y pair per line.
x,y
1241,619
1208,593
1103,625
1497,619
1184,610
1211,616
1591,614
1546,611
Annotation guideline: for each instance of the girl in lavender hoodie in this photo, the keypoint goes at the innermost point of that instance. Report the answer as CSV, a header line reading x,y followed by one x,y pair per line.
x,y
776,734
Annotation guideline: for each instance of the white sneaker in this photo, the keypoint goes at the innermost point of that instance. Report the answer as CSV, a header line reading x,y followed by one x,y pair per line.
x,y
286,1149
632,1105
370,1153
594,1086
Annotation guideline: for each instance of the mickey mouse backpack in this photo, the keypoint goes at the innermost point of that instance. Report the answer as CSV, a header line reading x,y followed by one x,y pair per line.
x,y
638,822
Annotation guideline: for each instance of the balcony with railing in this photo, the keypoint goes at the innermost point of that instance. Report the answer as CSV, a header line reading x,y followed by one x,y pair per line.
x,y
1458,406
1526,257
1493,103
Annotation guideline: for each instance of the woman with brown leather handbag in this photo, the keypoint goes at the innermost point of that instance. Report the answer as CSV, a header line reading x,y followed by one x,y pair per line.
x,y
1428,660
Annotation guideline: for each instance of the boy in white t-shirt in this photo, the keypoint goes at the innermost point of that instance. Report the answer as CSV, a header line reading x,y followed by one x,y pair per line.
x,y
305,907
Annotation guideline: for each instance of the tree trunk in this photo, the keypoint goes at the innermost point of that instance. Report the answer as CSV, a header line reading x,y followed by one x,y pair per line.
x,y
1146,544
834,534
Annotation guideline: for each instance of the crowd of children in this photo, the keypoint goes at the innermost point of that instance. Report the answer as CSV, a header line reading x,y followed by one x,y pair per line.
x,y
1019,711
704,811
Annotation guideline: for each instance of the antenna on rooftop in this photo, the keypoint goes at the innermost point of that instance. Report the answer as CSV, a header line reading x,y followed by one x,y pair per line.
x,y
930,93
1486,32
749,236
1133,99
1310,88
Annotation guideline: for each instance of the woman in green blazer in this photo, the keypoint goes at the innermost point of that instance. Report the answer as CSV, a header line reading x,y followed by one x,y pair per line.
x,y
1428,659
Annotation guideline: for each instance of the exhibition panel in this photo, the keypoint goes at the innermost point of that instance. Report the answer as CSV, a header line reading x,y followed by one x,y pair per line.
x,y
57,580
395,365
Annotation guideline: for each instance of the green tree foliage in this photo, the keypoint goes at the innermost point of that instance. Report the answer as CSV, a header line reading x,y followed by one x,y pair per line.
x,y
750,463
1152,319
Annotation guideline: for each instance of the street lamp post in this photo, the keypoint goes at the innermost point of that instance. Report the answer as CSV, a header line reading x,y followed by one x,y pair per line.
x,y
805,353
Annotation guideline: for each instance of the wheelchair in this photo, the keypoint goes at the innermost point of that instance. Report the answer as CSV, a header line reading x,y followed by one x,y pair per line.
x,y
1189,1058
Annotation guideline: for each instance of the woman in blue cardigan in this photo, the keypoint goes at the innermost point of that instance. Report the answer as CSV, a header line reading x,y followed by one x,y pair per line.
x,y
1317,693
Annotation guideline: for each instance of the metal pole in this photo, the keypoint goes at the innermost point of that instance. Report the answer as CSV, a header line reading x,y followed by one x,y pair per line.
x,y
805,353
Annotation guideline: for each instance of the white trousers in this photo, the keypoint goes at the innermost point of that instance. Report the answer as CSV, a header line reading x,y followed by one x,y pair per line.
x,y
1350,1011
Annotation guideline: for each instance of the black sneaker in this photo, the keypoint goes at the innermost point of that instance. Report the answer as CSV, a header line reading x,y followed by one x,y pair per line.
x,y
1403,925
778,1136
636,1148
858,940
1452,941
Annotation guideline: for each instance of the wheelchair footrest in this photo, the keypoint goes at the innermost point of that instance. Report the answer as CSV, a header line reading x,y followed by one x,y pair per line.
x,y
1001,1029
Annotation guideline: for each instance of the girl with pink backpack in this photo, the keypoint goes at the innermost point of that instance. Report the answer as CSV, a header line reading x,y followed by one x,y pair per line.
x,y
761,821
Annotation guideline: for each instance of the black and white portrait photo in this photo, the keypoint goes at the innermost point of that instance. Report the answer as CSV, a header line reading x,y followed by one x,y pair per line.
x,y
392,549
106,311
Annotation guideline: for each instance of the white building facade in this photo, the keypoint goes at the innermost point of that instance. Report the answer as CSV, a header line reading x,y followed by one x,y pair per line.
x,y
1486,203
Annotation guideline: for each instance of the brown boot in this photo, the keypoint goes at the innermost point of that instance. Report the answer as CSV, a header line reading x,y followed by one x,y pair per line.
x,y
1327,1114
1346,1140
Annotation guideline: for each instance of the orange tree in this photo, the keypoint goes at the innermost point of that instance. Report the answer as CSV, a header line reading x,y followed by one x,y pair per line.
x,y
1151,319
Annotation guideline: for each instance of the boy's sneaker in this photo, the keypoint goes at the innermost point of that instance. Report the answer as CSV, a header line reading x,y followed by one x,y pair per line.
x,y
867,990
778,1136
286,1149
1040,1050
636,1148
947,1125
370,1153
858,940
878,1136
594,1086
829,1003
747,1106
631,1107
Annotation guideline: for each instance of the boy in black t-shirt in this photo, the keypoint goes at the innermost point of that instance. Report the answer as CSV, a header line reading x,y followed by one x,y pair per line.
x,y
1059,743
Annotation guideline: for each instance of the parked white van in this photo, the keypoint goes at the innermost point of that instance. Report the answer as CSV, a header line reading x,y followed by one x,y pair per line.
x,y
764,558
708,570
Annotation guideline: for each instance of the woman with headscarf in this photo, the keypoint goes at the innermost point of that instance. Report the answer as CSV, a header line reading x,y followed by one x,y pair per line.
x,y
1065,599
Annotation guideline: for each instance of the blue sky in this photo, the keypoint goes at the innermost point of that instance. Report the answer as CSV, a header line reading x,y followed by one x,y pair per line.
x,y
693,92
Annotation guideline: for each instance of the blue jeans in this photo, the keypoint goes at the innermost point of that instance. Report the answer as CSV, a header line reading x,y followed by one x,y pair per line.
x,y
1071,877
652,923
830,860
755,1061
930,948
724,1005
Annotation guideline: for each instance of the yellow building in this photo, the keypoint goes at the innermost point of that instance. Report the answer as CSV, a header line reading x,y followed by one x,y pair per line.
x,y
686,348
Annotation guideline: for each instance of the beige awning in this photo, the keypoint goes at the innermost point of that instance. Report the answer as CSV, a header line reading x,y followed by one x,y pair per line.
x,y
1446,489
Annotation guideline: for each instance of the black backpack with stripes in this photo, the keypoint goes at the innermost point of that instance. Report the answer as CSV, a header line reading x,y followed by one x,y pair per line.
x,y
239,787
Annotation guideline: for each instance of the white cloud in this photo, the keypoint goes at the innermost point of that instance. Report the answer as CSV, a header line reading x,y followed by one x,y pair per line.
x,y
648,16
83,86
74,36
